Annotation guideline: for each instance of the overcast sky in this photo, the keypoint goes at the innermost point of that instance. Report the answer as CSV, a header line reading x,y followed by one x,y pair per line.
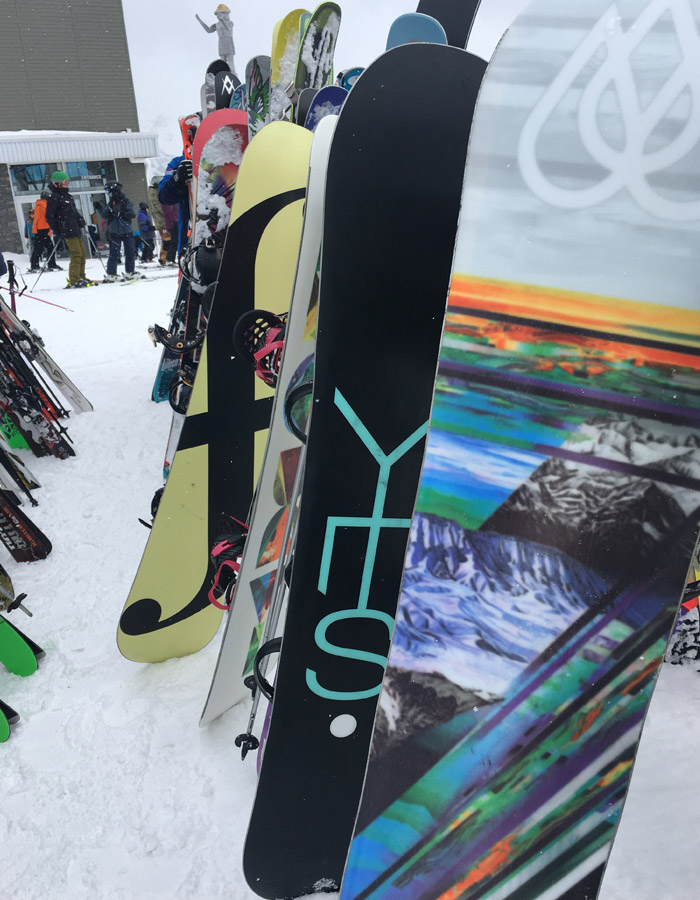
x,y
170,51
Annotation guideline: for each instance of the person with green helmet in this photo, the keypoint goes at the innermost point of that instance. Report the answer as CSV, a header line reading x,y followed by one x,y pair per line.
x,y
66,222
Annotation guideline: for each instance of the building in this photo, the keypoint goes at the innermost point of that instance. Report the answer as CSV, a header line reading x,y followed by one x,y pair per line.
x,y
67,103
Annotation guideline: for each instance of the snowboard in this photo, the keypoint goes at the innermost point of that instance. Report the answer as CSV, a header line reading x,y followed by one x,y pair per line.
x,y
347,78
684,646
24,540
188,130
239,98
455,16
378,335
269,519
327,102
314,67
413,27
560,499
18,654
285,49
257,76
168,612
208,91
8,717
303,104
225,83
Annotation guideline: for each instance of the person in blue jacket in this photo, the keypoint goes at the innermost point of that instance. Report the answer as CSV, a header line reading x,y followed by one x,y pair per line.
x,y
174,188
116,217
147,232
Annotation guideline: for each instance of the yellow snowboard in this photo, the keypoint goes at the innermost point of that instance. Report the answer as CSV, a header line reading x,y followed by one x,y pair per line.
x,y
167,613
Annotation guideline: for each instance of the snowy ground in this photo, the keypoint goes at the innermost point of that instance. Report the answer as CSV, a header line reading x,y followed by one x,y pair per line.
x,y
110,790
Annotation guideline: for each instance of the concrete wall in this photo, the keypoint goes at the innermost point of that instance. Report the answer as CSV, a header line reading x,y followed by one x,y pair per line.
x,y
65,66
10,241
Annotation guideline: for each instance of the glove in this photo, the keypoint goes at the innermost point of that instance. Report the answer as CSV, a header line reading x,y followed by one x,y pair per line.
x,y
81,222
183,172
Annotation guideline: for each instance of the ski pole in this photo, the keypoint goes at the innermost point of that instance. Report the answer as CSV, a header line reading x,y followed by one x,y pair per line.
x,y
53,253
12,283
94,247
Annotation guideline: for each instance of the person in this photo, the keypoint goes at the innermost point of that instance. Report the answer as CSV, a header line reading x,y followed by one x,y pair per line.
x,y
42,236
174,188
171,215
66,222
147,231
157,217
116,220
224,31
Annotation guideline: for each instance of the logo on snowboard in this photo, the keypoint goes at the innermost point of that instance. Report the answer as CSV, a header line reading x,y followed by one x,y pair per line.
x,y
636,120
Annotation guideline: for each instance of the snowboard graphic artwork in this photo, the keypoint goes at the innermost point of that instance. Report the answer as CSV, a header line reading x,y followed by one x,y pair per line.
x,y
560,496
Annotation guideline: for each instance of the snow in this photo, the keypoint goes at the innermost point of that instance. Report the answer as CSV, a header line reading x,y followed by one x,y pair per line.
x,y
110,791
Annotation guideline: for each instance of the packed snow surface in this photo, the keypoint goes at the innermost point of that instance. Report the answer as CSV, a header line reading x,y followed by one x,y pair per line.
x,y
110,790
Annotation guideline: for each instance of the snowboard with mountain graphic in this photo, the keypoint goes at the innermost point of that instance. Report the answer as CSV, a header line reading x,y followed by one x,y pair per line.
x,y
560,496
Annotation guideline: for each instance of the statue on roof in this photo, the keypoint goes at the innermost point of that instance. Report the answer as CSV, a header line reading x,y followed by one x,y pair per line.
x,y
224,29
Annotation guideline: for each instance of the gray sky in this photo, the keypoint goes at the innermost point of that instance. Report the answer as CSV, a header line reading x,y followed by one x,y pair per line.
x,y
170,51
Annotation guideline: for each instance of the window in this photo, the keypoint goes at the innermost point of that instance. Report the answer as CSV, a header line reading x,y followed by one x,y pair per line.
x,y
85,176
31,179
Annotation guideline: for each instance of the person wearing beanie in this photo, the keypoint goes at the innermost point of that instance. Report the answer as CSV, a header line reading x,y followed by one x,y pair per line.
x,y
65,221
116,220
147,232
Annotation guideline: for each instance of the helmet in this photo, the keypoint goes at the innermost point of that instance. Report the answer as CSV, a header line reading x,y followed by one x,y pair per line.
x,y
45,195
155,181
143,205
221,8
59,176
113,187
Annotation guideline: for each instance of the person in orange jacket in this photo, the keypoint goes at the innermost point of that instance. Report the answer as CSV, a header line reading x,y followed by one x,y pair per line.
x,y
42,236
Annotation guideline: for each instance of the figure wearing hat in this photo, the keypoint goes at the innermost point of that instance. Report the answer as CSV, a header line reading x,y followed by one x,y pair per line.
x,y
224,29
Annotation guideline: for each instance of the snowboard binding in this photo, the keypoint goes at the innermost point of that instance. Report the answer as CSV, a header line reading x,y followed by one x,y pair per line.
x,y
259,336
181,389
173,342
226,557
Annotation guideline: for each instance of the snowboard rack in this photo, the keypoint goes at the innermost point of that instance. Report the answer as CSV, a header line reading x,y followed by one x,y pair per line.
x,y
259,336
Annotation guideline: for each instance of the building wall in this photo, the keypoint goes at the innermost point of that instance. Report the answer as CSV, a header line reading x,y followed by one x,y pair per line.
x,y
10,241
65,66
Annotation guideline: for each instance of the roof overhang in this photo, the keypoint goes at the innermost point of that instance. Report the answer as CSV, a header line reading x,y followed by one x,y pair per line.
x,y
36,147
